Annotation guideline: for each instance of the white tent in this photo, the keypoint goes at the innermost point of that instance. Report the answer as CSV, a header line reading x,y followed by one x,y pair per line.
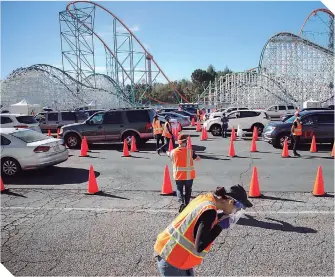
x,y
24,107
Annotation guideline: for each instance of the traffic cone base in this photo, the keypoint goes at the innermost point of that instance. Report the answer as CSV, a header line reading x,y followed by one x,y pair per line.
x,y
92,182
313,146
125,149
254,191
167,185
3,189
284,153
319,184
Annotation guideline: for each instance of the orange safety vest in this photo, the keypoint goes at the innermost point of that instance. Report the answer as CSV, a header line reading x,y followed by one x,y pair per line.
x,y
298,130
182,161
157,127
165,130
176,244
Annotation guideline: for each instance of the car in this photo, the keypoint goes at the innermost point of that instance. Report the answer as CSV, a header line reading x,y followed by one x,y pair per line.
x,y
173,121
19,121
276,111
226,111
183,120
25,149
185,113
316,122
286,116
166,110
55,120
111,126
246,119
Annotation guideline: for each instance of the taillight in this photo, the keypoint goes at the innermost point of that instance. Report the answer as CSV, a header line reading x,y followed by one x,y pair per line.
x,y
148,126
41,149
21,126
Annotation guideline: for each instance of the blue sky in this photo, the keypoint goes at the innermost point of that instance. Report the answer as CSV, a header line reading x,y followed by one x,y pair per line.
x,y
182,36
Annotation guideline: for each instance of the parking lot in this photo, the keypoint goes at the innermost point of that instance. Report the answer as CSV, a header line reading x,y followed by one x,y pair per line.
x,y
50,226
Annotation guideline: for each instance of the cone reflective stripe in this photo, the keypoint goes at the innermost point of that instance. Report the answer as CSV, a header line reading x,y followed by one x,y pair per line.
x,y
189,144
92,182
284,153
83,149
319,184
2,185
49,133
254,185
133,145
170,146
167,186
125,149
198,127
313,145
192,122
253,147
231,149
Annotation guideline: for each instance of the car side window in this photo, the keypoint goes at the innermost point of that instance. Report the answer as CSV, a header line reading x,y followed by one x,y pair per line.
x,y
233,115
310,120
97,119
325,118
113,118
273,108
282,108
68,116
290,107
248,114
5,120
5,141
52,116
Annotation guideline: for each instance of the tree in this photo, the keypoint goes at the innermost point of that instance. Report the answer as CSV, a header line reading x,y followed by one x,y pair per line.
x,y
201,78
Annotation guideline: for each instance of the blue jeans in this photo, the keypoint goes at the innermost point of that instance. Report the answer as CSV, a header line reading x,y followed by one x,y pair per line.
x,y
166,269
184,198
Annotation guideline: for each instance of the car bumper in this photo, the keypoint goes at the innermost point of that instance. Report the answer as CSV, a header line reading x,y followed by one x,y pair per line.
x,y
41,162
268,138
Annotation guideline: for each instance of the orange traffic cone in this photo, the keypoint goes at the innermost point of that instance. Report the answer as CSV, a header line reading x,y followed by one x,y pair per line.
x,y
167,186
189,144
170,146
125,149
86,144
192,122
203,135
255,133
49,133
198,127
231,149
254,185
206,134
253,146
133,145
233,134
284,153
92,182
332,154
319,185
2,189
313,146
83,149
57,133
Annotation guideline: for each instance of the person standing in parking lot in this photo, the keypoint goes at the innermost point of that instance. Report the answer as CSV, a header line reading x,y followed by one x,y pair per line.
x,y
158,130
224,121
167,134
296,131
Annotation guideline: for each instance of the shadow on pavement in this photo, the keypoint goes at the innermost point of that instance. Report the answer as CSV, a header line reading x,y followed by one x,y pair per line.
x,y
322,148
51,176
198,148
9,192
205,157
316,157
281,199
194,136
105,194
283,226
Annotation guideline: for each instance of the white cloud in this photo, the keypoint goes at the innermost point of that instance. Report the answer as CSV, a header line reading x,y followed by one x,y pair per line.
x,y
135,28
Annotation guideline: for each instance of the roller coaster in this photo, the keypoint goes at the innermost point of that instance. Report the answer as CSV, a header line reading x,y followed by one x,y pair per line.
x,y
292,68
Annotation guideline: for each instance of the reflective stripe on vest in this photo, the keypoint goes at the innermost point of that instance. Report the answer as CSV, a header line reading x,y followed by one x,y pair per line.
x,y
157,127
298,130
178,171
174,246
165,130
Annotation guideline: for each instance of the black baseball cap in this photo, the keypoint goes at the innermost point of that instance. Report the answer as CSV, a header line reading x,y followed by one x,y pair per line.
x,y
238,192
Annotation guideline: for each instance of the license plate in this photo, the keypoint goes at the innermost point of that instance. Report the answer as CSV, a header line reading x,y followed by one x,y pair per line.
x,y
56,148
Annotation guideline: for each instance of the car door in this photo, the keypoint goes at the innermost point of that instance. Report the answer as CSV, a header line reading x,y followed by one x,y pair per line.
x,y
113,125
281,110
232,120
309,127
93,128
52,121
245,119
325,131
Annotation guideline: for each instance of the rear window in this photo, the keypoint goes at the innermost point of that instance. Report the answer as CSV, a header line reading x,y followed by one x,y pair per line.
x,y
29,136
290,107
5,120
282,108
26,119
52,116
137,116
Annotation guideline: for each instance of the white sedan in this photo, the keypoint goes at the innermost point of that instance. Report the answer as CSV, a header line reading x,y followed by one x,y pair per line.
x,y
24,149
183,120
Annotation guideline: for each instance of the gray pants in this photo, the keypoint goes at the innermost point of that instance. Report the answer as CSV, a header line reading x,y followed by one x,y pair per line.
x,y
166,269
184,198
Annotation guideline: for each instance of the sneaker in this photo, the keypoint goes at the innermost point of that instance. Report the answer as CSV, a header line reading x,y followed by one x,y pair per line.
x,y
158,152
296,155
182,207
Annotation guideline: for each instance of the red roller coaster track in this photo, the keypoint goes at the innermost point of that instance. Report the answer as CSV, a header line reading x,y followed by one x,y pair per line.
x,y
111,52
314,13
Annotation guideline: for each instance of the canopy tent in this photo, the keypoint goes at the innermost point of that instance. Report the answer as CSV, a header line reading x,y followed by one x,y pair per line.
x,y
23,107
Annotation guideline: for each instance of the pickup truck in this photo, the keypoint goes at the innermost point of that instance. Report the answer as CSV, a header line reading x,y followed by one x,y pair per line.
x,y
276,111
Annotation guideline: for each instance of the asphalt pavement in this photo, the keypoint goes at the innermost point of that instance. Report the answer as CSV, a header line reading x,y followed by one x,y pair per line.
x,y
51,227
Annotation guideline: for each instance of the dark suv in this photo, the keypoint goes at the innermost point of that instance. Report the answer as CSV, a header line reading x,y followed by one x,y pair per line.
x,y
111,126
319,123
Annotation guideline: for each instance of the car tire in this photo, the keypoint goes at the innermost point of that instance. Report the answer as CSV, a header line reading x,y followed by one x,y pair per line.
x,y
280,141
72,140
259,126
128,135
10,167
216,130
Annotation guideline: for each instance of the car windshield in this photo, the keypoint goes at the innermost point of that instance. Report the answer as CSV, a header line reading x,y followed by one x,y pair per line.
x,y
29,136
292,118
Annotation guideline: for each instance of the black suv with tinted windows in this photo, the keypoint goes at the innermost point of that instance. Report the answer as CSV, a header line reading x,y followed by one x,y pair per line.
x,y
111,126
317,122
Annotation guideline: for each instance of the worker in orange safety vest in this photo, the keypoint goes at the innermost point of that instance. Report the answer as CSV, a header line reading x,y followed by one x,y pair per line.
x,y
183,169
167,134
158,130
296,131
185,242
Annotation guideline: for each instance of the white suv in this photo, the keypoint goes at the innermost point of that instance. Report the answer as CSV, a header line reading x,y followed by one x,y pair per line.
x,y
247,119
226,111
19,121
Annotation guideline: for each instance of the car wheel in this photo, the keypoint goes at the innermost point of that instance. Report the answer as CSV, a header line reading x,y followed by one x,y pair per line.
x,y
216,130
259,126
10,167
280,141
73,141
